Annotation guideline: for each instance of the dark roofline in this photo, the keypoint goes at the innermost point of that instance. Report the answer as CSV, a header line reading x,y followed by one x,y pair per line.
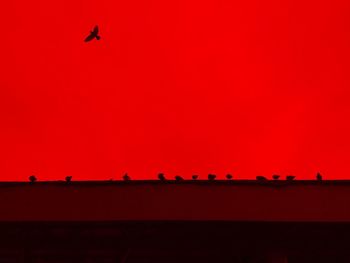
x,y
173,182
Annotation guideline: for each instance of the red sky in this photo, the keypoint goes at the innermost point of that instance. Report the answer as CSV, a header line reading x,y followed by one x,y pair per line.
x,y
181,87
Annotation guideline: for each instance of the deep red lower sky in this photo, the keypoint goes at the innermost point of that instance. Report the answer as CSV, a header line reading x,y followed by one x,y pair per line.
x,y
188,86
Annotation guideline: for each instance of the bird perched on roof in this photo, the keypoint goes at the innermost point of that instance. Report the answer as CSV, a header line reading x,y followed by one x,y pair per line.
x,y
68,179
290,177
161,177
275,177
261,178
126,177
194,177
229,176
32,179
319,177
211,177
93,34
178,178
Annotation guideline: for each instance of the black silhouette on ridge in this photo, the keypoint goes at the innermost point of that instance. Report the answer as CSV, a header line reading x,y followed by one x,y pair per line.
x,y
161,177
68,179
229,176
32,179
178,178
211,177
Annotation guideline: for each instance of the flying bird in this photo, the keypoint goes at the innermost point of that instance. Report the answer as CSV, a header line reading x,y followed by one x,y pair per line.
x,y
93,34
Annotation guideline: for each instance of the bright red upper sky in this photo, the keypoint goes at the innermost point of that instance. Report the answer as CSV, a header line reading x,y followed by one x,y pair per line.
x,y
188,86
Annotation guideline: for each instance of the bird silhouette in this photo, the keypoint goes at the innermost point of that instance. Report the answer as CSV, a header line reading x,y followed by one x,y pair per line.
x,y
126,177
68,179
93,34
229,176
290,177
319,177
178,178
275,177
194,177
161,177
211,177
261,178
32,178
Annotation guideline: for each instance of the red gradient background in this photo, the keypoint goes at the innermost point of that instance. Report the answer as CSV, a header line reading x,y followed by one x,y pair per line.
x,y
180,87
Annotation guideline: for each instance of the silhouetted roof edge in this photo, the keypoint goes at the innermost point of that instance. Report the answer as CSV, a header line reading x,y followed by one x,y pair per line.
x,y
173,182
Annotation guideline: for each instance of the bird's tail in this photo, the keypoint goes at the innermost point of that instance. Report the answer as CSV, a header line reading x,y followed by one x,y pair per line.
x,y
98,37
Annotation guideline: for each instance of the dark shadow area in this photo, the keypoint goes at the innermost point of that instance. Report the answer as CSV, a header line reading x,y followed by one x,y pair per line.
x,y
173,242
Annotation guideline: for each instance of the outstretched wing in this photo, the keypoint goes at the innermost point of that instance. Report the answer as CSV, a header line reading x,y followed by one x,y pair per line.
x,y
89,37
95,31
